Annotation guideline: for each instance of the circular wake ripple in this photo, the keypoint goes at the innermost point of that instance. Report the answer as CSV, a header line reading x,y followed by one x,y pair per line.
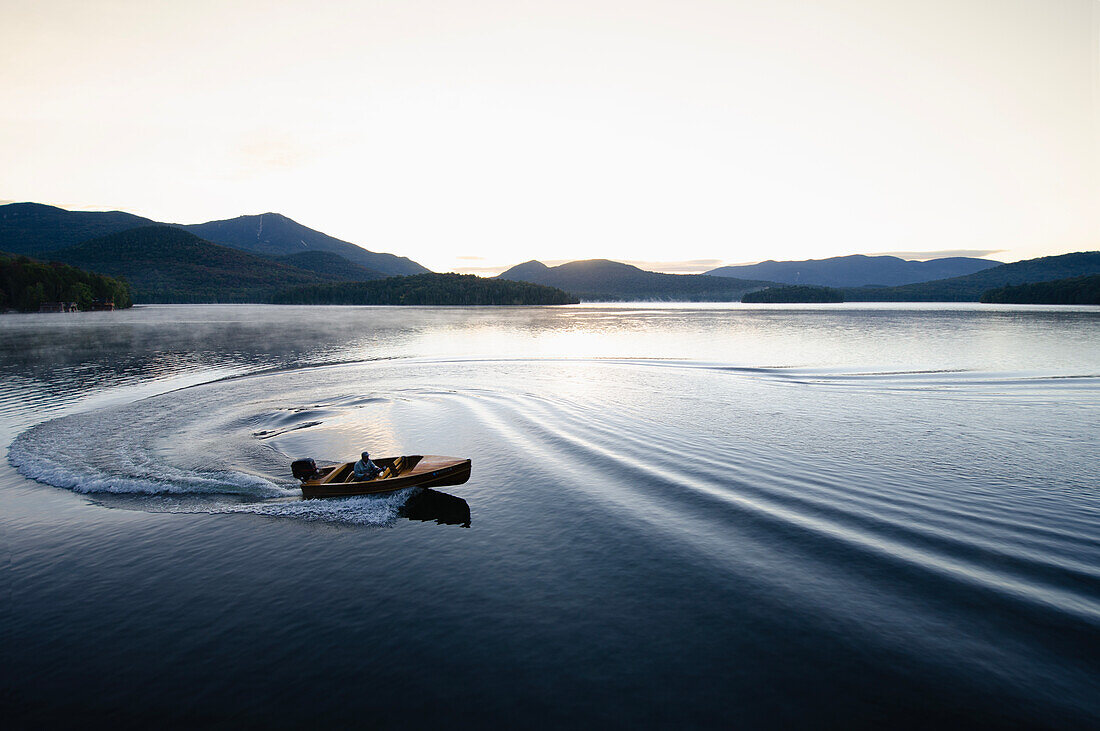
x,y
861,454
807,488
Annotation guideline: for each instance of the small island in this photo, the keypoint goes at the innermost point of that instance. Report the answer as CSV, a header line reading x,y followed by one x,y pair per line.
x,y
794,293
426,289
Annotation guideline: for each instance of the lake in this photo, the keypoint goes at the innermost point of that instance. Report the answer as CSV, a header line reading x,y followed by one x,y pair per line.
x,y
679,515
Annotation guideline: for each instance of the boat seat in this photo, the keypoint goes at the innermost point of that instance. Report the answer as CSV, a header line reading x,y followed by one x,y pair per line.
x,y
393,469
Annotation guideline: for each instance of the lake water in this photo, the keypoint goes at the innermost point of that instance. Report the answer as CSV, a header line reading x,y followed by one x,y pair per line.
x,y
679,515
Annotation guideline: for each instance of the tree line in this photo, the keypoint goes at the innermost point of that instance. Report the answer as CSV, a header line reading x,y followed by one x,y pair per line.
x,y
426,289
795,293
25,284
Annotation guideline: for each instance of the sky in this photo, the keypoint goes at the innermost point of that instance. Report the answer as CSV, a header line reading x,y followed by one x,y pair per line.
x,y
471,135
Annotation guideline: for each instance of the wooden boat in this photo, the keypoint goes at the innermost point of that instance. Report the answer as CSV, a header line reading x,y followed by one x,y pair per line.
x,y
415,470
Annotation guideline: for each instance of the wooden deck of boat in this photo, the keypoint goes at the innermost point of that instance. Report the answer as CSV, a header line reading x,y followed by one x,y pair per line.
x,y
411,471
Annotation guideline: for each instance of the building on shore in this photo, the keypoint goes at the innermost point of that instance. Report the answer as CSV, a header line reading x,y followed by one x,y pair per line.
x,y
96,306
59,307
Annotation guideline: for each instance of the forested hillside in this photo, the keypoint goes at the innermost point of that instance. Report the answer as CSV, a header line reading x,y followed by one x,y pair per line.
x,y
795,294
1072,291
166,264
427,289
970,288
25,284
272,234
330,266
35,229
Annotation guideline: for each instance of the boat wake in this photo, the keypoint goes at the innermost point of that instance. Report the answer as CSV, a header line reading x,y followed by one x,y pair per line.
x,y
637,433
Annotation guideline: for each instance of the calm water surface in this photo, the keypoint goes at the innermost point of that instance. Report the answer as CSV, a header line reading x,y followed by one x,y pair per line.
x,y
705,516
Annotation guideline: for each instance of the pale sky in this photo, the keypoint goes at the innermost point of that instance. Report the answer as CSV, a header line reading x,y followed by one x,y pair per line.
x,y
476,134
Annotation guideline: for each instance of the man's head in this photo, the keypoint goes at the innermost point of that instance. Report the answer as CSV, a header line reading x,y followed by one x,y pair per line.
x,y
366,456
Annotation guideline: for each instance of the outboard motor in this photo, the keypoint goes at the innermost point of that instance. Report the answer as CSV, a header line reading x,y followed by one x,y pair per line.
x,y
304,469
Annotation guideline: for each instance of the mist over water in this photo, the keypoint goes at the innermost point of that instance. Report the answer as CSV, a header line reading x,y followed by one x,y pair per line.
x,y
701,515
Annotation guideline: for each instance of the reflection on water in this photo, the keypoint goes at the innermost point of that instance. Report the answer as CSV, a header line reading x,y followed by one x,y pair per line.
x,y
700,516
417,504
431,505
53,363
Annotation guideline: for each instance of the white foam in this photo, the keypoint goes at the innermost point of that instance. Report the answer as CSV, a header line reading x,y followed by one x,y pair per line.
x,y
357,510
50,453
170,481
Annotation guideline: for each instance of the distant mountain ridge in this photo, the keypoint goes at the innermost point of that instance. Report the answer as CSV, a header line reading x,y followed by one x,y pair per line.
x,y
167,264
597,280
270,253
970,288
857,270
272,234
36,230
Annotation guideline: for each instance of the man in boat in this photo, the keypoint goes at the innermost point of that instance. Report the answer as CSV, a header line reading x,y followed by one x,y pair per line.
x,y
365,469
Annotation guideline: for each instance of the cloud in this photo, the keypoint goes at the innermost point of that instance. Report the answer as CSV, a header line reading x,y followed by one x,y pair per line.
x,y
481,271
94,207
687,266
269,151
471,258
925,255
97,207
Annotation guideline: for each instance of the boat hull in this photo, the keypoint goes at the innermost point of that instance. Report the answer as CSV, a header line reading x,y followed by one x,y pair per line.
x,y
425,471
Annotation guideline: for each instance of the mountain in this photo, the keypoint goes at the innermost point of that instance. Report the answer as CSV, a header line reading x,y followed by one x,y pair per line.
x,y
427,289
165,264
330,266
528,271
1072,291
35,229
597,280
971,287
857,270
272,234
